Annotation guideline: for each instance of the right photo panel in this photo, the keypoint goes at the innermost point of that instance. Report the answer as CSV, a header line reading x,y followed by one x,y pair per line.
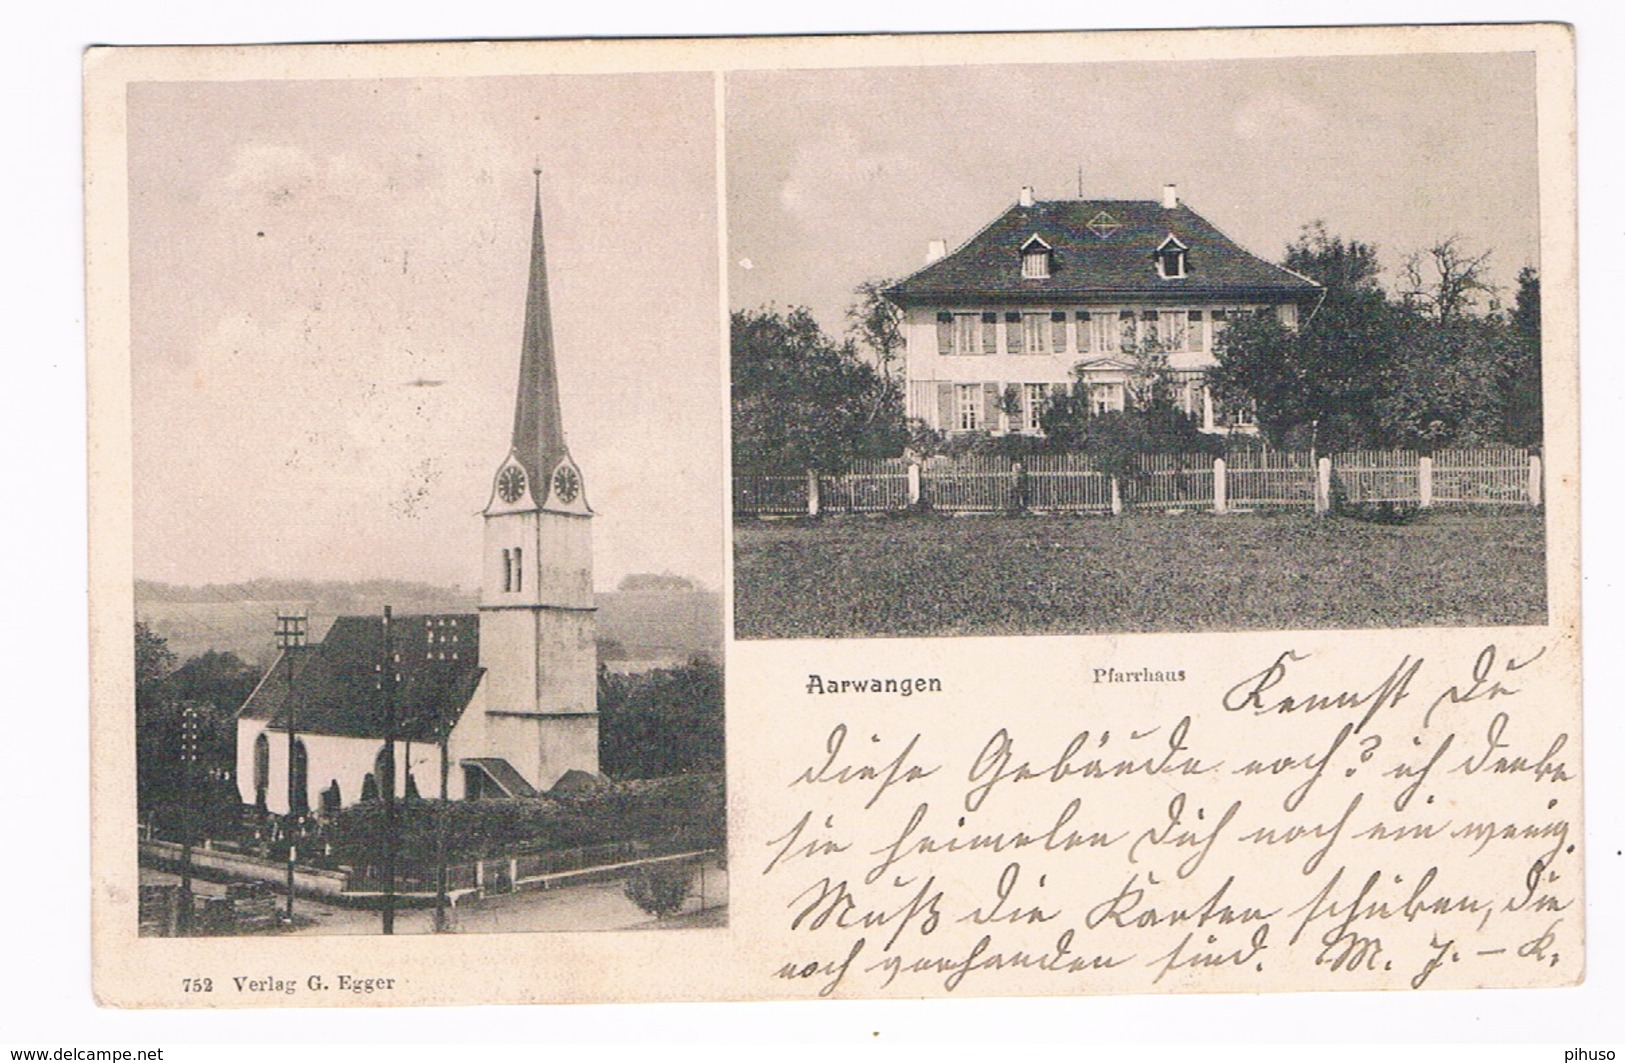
x,y
1154,519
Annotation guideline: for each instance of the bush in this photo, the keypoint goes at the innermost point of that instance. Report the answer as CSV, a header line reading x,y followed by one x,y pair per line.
x,y
691,807
1395,513
660,889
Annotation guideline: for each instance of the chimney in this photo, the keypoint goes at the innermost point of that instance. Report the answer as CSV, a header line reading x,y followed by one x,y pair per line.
x,y
935,250
1170,197
1026,195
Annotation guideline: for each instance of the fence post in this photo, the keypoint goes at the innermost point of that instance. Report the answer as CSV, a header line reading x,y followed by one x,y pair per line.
x,y
1117,498
1534,479
479,878
1220,488
1424,480
1323,485
913,483
513,875
812,492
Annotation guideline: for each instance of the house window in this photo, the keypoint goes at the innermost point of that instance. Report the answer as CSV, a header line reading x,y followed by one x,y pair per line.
x,y
1149,328
1013,334
1035,329
1033,398
1035,259
1288,313
969,406
1174,329
507,570
1235,414
1106,398
1085,327
967,334
1170,259
1057,331
1194,338
262,769
299,799
518,569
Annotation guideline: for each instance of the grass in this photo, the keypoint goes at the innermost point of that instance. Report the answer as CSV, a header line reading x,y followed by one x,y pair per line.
x,y
926,575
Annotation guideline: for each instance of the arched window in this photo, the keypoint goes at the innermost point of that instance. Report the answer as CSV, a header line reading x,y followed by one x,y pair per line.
x,y
383,768
262,769
299,800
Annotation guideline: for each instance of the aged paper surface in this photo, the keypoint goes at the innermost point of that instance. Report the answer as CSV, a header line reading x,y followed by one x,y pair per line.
x,y
1171,807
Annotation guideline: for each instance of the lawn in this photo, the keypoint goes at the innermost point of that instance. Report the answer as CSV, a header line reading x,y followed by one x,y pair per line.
x,y
928,575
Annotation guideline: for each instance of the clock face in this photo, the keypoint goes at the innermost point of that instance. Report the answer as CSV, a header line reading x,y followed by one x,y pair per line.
x,y
566,484
511,483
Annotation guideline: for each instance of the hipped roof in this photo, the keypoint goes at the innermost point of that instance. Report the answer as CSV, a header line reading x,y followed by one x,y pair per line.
x,y
1115,257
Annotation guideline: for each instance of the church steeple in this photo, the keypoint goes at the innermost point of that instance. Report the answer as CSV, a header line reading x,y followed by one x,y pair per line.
x,y
538,426
537,633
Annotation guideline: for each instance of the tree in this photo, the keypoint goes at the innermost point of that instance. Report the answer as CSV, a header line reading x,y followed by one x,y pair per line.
x,y
1322,380
153,659
1523,410
1445,282
661,723
802,401
875,323
212,686
1448,384
652,581
660,889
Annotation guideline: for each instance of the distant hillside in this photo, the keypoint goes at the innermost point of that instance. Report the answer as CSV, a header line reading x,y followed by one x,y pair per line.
x,y
653,625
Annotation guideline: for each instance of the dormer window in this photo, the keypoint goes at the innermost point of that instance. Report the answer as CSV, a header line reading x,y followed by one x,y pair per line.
x,y
1170,258
1035,258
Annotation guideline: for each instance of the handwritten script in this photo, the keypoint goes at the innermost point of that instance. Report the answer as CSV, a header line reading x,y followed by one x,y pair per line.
x,y
1406,821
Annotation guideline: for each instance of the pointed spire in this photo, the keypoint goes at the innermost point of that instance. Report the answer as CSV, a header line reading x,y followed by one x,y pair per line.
x,y
538,427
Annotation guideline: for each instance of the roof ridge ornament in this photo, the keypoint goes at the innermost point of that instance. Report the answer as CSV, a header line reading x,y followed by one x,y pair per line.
x,y
1103,224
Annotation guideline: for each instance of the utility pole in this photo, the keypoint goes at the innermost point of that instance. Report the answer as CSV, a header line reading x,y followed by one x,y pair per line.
x,y
440,924
189,751
390,771
290,636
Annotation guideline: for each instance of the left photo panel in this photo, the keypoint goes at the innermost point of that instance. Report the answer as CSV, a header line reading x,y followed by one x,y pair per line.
x,y
425,506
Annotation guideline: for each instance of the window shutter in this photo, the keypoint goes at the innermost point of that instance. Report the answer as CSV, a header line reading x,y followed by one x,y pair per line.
x,y
1195,336
990,332
1057,322
1012,333
945,333
990,406
1084,327
947,414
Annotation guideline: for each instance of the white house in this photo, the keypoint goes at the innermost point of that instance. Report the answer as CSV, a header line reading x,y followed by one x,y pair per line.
x,y
1054,291
503,701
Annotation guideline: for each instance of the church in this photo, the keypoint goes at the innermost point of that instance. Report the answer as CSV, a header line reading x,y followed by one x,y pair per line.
x,y
499,703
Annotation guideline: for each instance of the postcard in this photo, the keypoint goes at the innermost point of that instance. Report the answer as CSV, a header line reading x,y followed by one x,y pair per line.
x,y
1031,515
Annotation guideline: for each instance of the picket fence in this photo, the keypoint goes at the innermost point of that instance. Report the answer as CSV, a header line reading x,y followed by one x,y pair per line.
x,y
1073,483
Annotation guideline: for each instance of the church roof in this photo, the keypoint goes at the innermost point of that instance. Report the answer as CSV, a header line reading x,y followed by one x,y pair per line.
x,y
1098,247
338,683
538,425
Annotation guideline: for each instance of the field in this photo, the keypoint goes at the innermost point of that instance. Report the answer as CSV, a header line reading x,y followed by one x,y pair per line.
x,y
923,575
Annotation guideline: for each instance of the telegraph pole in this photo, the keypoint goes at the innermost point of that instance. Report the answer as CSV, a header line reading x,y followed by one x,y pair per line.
x,y
389,761
290,635
440,835
189,751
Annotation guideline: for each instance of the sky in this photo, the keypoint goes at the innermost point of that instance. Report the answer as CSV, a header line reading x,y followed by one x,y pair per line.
x,y
837,176
302,252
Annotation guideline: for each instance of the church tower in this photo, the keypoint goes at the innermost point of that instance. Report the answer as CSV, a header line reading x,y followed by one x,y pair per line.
x,y
537,630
